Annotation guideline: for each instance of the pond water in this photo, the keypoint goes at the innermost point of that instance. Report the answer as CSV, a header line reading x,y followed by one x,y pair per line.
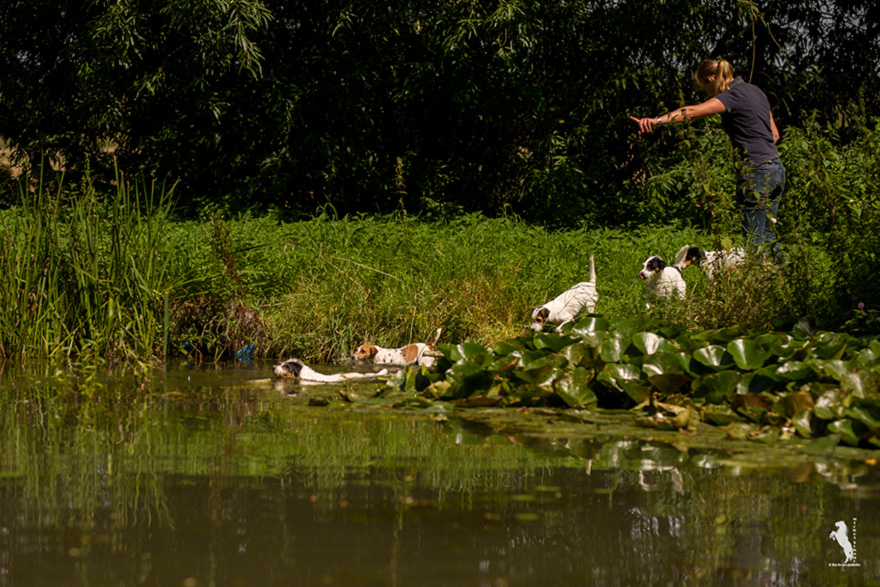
x,y
223,476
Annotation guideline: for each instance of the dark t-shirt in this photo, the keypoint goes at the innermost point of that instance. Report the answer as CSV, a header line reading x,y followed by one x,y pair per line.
x,y
747,121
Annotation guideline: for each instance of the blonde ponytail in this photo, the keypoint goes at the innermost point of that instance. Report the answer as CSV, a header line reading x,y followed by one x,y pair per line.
x,y
721,69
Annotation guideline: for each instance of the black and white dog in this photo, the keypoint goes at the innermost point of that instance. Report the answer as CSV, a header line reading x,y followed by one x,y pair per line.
x,y
566,306
661,280
297,369
709,261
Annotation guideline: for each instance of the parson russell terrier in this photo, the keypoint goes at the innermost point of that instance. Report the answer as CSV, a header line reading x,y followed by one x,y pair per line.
x,y
296,369
661,280
709,261
565,307
417,353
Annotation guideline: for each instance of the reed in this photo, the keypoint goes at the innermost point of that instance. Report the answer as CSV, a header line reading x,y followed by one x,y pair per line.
x,y
85,275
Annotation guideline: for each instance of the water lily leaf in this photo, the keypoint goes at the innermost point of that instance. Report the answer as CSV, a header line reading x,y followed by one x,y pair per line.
x,y
580,354
649,343
795,370
714,356
863,415
626,378
755,382
662,363
573,388
467,379
834,368
612,348
794,403
747,354
848,430
398,380
801,421
439,390
716,387
552,342
831,405
663,421
829,346
590,325
668,383
720,415
530,360
467,351
507,347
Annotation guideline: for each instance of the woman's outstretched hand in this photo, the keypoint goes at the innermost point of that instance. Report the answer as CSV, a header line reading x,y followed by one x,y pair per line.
x,y
645,124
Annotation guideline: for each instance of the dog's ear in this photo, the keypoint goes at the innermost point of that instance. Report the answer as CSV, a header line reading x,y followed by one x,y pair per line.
x,y
542,315
371,350
681,257
694,254
293,366
656,264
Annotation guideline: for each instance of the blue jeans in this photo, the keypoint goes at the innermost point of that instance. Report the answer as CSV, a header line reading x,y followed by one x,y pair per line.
x,y
757,192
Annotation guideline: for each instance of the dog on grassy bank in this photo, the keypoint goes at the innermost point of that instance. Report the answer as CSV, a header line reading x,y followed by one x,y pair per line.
x,y
417,353
297,369
709,261
662,281
566,306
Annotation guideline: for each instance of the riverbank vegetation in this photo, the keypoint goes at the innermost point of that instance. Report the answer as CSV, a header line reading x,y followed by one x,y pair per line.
x,y
120,275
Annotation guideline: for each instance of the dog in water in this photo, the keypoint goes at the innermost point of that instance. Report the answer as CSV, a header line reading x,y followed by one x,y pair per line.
x,y
566,306
661,280
297,369
417,353
709,261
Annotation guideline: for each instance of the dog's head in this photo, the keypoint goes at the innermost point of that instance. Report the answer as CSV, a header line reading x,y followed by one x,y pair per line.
x,y
539,317
651,267
289,369
365,352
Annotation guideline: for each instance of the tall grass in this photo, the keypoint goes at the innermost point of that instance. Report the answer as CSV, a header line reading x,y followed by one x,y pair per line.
x,y
84,275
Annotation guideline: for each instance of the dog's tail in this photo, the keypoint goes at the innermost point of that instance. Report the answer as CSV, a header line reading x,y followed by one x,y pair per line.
x,y
592,269
433,343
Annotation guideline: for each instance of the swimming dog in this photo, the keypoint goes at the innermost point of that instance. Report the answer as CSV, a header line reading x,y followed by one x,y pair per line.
x,y
661,280
565,307
297,369
709,261
417,353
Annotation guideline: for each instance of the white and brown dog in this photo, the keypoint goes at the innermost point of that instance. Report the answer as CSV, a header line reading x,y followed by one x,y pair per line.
x,y
661,280
297,369
566,306
709,261
417,353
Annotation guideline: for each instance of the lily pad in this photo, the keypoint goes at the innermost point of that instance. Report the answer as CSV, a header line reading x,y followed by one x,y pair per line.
x,y
716,387
714,356
747,354
573,388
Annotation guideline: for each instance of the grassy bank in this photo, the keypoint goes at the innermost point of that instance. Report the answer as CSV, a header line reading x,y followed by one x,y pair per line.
x,y
118,278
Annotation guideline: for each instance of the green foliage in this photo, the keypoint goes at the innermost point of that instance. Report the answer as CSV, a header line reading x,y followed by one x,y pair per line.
x,y
412,105
84,277
821,385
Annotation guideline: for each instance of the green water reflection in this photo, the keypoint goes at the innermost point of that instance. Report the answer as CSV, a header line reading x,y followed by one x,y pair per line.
x,y
224,477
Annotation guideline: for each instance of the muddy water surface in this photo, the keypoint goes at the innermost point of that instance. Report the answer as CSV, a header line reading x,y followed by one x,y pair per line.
x,y
223,476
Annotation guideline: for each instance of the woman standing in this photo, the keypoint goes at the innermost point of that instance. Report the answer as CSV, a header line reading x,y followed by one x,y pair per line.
x,y
747,120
